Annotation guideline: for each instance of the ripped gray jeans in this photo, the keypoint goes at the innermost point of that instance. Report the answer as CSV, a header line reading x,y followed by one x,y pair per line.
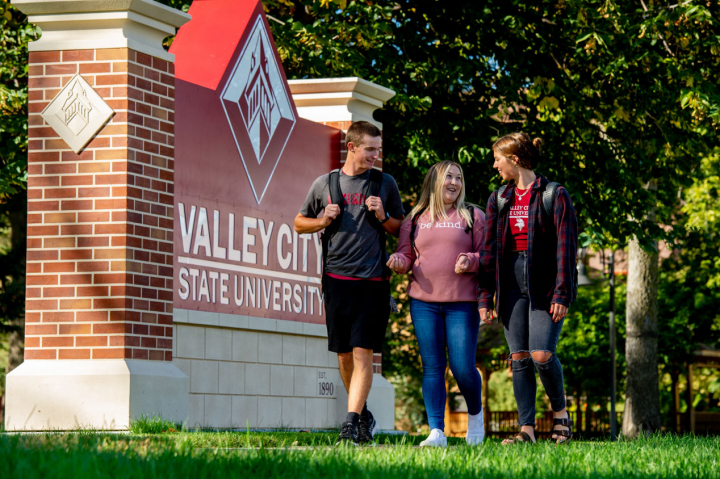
x,y
529,331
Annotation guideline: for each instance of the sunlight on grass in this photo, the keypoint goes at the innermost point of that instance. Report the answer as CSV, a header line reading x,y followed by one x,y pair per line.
x,y
280,454
153,425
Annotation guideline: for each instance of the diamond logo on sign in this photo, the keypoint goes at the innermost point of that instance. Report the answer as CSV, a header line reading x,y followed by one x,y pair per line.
x,y
77,113
258,108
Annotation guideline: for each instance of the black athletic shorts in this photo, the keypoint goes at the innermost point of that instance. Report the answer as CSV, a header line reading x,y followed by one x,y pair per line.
x,y
357,314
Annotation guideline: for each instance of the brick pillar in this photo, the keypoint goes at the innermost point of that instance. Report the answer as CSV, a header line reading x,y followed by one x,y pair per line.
x,y
99,344
99,261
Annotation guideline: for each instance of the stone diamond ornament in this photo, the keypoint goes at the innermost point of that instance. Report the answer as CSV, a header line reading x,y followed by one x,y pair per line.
x,y
259,108
77,113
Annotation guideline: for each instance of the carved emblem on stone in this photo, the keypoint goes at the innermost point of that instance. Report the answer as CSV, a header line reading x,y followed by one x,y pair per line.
x,y
258,102
77,113
259,108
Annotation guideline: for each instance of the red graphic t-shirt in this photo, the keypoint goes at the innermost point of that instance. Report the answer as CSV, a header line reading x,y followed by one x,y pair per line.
x,y
519,219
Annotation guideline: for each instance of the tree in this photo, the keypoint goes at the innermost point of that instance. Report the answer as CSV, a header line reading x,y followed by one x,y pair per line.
x,y
677,61
627,90
689,292
16,33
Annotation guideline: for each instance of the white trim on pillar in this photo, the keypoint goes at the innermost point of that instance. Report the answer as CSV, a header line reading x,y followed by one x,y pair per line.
x,y
339,99
103,394
84,25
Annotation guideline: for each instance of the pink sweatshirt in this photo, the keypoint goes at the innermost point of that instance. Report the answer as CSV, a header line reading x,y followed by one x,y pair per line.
x,y
433,277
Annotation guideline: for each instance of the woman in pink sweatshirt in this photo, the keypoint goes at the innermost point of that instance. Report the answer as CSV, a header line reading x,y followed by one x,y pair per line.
x,y
440,242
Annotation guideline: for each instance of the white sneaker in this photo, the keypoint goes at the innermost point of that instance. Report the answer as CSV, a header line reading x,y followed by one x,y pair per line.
x,y
476,429
435,439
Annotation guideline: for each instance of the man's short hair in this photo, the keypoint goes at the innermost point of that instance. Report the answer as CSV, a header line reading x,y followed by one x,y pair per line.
x,y
359,129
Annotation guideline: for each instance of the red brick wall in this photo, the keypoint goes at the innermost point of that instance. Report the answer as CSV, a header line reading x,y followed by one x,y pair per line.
x,y
99,261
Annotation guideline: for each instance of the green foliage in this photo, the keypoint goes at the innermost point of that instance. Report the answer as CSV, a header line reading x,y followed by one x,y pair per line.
x,y
620,96
187,455
12,260
153,425
689,290
595,79
584,346
14,37
3,362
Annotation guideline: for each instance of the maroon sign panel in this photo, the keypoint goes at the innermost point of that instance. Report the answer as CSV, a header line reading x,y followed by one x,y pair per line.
x,y
244,162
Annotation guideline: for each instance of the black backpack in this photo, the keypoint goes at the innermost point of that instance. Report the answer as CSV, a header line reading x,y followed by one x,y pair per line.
x,y
413,227
372,188
548,198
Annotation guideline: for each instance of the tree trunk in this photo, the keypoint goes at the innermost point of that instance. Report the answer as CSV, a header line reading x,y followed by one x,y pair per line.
x,y
642,403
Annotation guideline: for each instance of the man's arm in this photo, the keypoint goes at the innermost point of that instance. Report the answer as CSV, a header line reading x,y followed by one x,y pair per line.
x,y
303,224
392,225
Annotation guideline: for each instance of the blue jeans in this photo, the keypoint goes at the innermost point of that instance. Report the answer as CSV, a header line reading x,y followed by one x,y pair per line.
x,y
529,331
452,327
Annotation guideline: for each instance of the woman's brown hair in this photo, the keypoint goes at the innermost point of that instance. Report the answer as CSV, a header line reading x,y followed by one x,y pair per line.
x,y
521,145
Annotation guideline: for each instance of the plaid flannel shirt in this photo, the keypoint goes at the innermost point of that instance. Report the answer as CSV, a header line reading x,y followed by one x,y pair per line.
x,y
552,249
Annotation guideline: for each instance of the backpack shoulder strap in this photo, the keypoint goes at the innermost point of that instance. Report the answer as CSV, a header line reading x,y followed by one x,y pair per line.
x,y
469,227
336,198
376,180
548,198
335,192
374,184
501,202
413,227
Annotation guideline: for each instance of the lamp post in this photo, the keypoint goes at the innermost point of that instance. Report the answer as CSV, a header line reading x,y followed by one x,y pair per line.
x,y
613,416
583,280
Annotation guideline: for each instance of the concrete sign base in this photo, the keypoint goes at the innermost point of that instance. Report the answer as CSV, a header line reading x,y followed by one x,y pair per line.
x,y
102,394
261,372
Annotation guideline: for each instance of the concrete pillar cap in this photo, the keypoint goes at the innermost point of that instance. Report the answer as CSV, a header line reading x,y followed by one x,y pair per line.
x,y
94,24
339,99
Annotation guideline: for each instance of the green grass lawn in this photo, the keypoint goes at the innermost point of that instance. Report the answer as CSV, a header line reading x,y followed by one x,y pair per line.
x,y
286,454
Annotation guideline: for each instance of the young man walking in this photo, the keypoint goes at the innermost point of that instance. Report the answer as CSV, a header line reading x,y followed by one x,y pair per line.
x,y
355,279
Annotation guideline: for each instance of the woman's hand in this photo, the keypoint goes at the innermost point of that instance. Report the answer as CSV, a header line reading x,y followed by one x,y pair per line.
x,y
487,315
558,311
395,263
462,265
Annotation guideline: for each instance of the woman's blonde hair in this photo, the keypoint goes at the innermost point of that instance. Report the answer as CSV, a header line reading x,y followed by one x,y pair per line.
x,y
431,195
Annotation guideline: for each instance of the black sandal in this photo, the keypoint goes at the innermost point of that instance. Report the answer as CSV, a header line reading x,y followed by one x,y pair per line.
x,y
566,433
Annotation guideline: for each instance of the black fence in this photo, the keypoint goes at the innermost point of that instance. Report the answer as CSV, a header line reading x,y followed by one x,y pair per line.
x,y
587,424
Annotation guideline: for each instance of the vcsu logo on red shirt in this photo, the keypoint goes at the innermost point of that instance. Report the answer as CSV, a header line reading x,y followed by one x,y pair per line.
x,y
259,108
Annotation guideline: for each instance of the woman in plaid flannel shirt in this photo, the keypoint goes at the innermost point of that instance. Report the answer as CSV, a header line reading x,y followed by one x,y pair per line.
x,y
529,261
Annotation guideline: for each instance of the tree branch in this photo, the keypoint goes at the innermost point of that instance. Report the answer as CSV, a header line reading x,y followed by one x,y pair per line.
x,y
660,34
561,67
